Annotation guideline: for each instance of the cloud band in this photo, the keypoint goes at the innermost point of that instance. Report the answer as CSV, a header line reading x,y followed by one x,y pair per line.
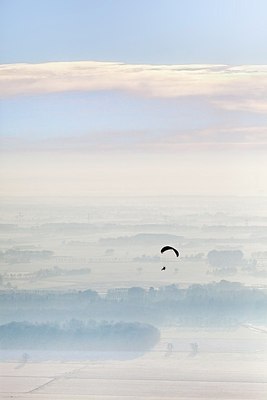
x,y
165,81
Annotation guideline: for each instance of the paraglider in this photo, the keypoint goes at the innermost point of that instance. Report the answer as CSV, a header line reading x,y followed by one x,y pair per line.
x,y
166,248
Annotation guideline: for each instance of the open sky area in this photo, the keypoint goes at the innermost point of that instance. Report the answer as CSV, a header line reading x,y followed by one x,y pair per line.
x,y
108,97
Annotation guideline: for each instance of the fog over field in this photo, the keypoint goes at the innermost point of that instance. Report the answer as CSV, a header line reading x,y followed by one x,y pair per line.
x,y
84,300
133,200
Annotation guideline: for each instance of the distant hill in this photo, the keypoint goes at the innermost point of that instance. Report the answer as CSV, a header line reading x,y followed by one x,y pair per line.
x,y
143,239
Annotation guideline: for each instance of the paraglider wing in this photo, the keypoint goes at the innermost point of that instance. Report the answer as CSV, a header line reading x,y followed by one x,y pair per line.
x,y
165,248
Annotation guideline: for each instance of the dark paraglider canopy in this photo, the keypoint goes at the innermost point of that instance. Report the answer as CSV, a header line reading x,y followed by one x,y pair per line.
x,y
165,248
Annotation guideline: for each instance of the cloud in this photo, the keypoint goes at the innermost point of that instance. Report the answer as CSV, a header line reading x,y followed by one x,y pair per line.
x,y
218,135
168,141
165,81
256,105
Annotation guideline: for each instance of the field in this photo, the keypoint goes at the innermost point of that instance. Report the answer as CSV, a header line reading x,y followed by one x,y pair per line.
x,y
109,246
228,365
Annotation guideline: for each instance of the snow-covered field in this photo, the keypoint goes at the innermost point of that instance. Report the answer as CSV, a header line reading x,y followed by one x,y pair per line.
x,y
198,364
228,365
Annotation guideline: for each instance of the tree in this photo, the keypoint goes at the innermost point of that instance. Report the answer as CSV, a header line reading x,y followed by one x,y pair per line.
x,y
225,258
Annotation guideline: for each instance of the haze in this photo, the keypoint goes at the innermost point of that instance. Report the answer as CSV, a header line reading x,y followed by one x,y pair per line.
x,y
127,126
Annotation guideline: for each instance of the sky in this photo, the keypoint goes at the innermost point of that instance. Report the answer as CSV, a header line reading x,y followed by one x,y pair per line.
x,y
133,97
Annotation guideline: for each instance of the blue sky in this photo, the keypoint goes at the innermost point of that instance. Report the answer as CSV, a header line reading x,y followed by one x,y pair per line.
x,y
150,31
115,82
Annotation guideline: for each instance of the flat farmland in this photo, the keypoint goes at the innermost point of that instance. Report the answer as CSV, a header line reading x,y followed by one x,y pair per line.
x,y
228,365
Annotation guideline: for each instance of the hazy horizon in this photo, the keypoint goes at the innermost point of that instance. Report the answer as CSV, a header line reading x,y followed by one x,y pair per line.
x,y
127,126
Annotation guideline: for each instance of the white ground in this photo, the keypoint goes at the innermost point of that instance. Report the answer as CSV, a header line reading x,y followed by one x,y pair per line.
x,y
230,365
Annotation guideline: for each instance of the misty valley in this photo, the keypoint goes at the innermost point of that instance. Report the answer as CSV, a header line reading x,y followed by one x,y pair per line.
x,y
81,282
